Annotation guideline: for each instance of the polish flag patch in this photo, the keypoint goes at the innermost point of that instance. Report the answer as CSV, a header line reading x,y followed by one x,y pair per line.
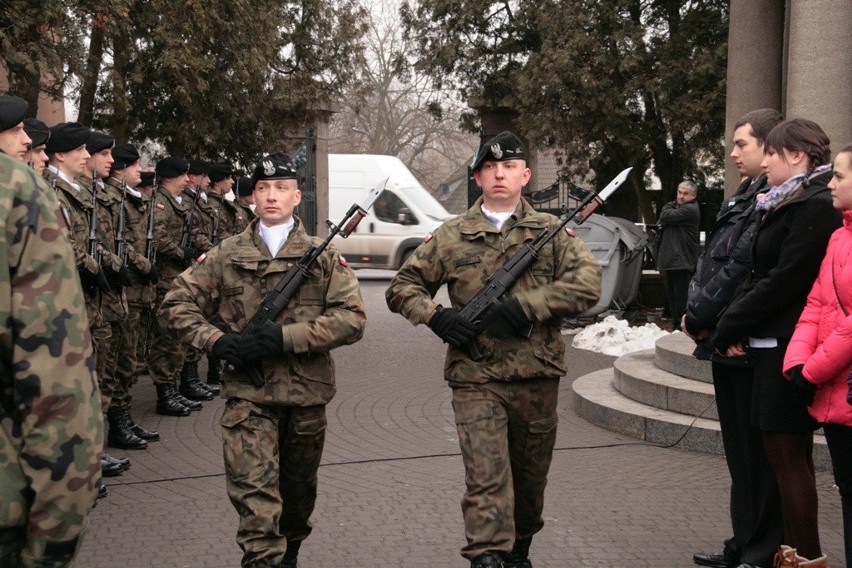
x,y
160,206
427,238
343,261
570,232
201,258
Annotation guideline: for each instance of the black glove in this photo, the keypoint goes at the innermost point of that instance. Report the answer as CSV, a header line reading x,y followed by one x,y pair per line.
x,y
506,319
805,388
452,328
120,278
152,277
262,341
189,253
228,347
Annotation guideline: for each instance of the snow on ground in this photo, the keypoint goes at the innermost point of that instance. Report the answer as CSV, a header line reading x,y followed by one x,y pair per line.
x,y
614,336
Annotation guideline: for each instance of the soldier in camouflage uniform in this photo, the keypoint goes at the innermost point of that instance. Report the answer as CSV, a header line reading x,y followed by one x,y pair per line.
x,y
125,174
51,433
272,435
245,199
505,404
202,234
14,139
166,351
39,133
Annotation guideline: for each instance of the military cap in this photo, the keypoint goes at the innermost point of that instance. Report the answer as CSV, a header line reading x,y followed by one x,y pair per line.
x,y
245,186
147,179
99,141
124,155
12,111
505,146
38,131
67,136
172,167
197,167
274,166
218,172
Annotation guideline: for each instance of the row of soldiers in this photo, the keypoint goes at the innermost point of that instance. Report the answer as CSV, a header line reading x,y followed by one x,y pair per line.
x,y
132,233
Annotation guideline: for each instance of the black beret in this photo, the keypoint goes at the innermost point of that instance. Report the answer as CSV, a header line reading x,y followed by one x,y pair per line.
x,y
172,167
147,179
274,166
38,131
218,172
12,111
67,136
197,167
505,146
244,186
99,141
124,155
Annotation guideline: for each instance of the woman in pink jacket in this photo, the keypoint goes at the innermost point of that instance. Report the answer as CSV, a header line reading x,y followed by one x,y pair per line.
x,y
819,356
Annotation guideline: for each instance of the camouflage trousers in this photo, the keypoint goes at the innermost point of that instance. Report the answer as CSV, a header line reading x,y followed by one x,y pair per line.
x,y
507,431
272,454
166,351
132,350
13,542
106,341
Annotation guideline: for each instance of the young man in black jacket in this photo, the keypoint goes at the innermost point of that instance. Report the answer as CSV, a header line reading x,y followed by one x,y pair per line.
x,y
755,502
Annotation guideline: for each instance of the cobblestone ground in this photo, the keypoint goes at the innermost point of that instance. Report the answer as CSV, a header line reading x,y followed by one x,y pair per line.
x,y
392,479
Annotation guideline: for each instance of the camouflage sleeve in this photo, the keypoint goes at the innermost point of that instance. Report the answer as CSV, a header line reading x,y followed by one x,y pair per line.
x,y
343,319
576,282
193,300
165,244
52,432
139,261
412,288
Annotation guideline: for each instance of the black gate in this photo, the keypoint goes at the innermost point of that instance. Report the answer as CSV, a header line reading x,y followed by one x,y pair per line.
x,y
306,163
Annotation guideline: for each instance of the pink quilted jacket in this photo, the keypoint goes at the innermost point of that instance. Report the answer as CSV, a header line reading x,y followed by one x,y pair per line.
x,y
823,337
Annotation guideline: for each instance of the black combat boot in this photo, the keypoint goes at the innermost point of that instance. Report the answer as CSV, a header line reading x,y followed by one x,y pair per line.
x,y
167,403
120,435
486,560
102,490
190,384
190,404
147,435
214,373
110,468
519,557
290,560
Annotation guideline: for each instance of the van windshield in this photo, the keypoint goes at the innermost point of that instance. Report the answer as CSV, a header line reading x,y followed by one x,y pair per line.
x,y
426,203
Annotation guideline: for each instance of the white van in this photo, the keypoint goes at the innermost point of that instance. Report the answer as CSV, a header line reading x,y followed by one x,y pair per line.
x,y
401,216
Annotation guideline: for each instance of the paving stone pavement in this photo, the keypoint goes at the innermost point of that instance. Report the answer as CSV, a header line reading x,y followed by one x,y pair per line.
x,y
392,479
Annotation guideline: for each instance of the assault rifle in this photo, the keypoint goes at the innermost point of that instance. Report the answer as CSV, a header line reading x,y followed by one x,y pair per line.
x,y
277,299
501,281
150,248
93,222
214,237
120,242
186,237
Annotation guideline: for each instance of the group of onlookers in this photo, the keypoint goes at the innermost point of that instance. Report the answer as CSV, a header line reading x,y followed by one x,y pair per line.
x,y
769,308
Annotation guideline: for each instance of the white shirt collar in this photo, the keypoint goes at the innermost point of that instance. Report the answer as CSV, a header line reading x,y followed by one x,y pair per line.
x,y
64,177
498,218
276,236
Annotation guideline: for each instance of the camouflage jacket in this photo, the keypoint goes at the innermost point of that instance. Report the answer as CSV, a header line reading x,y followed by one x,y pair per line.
x,y
76,208
136,232
202,224
248,216
51,433
232,218
226,288
463,252
169,218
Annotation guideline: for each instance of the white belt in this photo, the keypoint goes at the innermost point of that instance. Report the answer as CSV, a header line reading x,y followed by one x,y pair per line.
x,y
762,342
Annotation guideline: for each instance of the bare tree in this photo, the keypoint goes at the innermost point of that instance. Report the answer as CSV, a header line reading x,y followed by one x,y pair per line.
x,y
396,111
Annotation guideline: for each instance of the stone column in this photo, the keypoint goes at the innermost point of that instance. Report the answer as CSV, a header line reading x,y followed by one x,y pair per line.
x,y
755,55
819,74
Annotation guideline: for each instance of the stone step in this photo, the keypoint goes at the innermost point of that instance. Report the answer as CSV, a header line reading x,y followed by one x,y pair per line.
x,y
597,401
636,377
673,353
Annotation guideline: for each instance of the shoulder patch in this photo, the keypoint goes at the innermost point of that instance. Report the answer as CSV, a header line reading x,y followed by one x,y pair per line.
x,y
570,231
427,238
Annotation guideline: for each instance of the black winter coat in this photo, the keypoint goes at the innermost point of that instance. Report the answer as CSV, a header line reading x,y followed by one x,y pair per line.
x,y
678,244
788,247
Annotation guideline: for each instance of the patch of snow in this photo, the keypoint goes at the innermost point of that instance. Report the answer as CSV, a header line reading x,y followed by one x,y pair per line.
x,y
614,336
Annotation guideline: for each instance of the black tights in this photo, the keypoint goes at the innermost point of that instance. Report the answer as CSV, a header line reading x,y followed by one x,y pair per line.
x,y
791,456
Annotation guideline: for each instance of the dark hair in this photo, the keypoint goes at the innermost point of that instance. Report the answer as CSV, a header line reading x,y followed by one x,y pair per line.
x,y
801,134
845,149
762,121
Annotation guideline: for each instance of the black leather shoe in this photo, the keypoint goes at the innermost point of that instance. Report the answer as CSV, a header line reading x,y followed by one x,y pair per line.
x,y
715,560
486,561
519,557
190,404
120,435
289,563
167,403
194,390
102,490
110,469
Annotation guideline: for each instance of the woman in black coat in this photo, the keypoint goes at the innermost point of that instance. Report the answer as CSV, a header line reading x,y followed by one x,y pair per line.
x,y
795,221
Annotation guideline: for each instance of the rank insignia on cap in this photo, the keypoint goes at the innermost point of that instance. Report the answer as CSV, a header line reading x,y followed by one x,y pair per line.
x,y
496,151
268,167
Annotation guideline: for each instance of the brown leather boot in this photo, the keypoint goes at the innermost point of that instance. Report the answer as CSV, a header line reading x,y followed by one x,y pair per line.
x,y
786,557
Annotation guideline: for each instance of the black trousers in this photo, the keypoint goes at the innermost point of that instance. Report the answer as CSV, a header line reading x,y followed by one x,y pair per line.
x,y
677,293
839,441
755,501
